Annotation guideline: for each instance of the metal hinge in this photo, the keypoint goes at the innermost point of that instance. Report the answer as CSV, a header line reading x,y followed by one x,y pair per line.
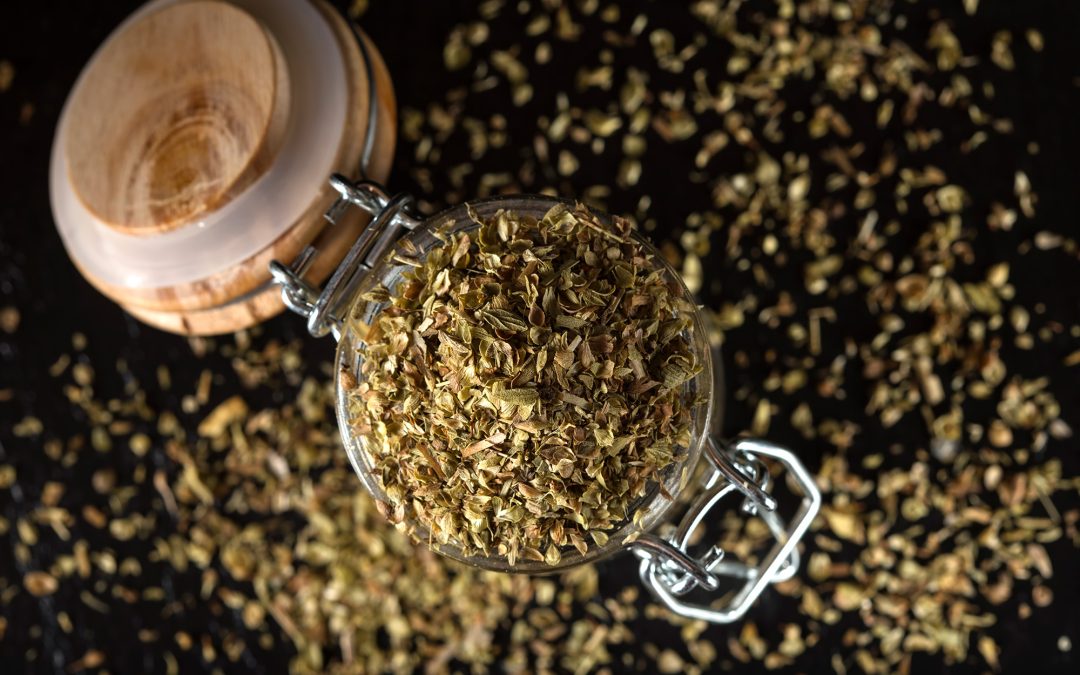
x,y
324,308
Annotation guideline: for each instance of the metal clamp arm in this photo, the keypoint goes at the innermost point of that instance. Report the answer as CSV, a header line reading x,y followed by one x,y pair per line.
x,y
669,571
323,308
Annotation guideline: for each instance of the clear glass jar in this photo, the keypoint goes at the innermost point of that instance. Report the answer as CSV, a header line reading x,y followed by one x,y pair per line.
x,y
651,507
667,567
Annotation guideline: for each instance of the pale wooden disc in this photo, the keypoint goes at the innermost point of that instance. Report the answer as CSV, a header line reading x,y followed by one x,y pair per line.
x,y
179,112
231,314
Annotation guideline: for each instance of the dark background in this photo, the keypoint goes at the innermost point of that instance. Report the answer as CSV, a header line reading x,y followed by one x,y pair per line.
x,y
48,42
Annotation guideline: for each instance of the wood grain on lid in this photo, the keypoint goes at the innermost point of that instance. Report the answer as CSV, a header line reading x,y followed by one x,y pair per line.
x,y
239,300
179,112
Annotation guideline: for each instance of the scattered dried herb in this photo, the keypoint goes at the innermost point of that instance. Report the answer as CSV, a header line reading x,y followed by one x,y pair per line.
x,y
854,188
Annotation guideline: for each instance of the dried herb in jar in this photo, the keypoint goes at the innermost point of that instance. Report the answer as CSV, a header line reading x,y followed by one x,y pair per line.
x,y
526,384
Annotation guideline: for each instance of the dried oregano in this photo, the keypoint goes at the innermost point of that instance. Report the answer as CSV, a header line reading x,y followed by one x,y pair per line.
x,y
526,384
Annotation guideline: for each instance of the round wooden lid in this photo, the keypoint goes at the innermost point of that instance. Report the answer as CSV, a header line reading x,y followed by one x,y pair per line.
x,y
178,218
180,111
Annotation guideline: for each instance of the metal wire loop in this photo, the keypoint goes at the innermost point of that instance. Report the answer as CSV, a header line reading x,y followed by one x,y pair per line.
x,y
670,572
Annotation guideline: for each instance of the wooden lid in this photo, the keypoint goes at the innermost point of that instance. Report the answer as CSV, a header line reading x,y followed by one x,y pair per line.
x,y
189,126
182,110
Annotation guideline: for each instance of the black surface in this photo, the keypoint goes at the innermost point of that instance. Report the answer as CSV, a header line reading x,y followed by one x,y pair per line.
x,y
48,43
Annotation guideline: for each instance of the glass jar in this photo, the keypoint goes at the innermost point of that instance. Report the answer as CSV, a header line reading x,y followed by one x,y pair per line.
x,y
667,566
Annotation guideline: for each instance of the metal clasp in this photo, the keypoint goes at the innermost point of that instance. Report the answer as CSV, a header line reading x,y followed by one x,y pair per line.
x,y
323,308
670,572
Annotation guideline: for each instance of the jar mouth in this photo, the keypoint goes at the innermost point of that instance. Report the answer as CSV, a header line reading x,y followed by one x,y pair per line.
x,y
646,511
